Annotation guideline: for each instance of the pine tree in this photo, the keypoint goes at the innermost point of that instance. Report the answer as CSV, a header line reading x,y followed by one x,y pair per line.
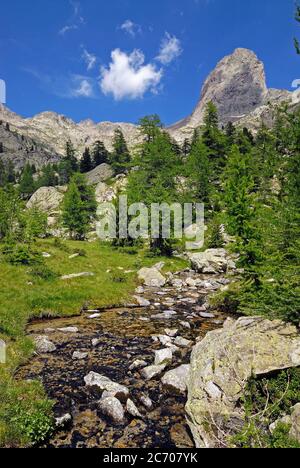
x,y
48,178
238,187
155,179
71,156
120,157
86,162
27,184
100,154
79,207
199,172
186,147
215,140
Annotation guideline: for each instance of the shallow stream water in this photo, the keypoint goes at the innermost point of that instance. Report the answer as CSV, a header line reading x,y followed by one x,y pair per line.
x,y
124,335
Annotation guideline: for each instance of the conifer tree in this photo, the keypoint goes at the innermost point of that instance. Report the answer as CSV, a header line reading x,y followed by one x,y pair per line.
x,y
199,171
100,154
27,184
86,161
79,207
120,157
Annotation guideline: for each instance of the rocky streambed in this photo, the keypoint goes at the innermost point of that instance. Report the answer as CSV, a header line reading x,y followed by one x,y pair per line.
x,y
118,376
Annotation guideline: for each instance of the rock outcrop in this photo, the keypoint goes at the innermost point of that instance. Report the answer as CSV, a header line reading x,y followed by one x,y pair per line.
x,y
47,199
221,365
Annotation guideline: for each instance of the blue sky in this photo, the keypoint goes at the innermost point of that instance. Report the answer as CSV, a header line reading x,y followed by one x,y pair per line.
x,y
118,60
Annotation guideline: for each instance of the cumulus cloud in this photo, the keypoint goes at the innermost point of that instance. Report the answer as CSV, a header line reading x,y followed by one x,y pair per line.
x,y
90,59
131,28
127,76
170,49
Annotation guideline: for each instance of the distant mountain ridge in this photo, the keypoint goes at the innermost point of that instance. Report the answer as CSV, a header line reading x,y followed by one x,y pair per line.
x,y
237,86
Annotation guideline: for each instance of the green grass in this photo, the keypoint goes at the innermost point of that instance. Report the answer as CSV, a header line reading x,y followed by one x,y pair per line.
x,y
28,292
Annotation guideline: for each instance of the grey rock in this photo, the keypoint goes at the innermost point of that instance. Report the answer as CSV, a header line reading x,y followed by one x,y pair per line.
x,y
132,409
151,277
100,174
182,342
146,402
105,384
221,365
77,355
138,364
207,315
84,274
175,381
163,356
152,371
43,345
63,420
68,330
113,410
142,302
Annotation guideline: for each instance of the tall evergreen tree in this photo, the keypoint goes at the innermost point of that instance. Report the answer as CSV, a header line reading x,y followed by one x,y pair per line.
x,y
199,172
120,157
214,139
27,184
100,154
86,161
79,207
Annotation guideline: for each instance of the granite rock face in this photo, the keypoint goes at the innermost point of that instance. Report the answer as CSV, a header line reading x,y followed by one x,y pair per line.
x,y
47,199
221,365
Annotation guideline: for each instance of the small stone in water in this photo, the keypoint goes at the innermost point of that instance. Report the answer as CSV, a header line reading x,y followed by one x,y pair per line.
x,y
163,356
138,364
171,332
182,342
146,401
68,330
79,356
207,315
132,409
94,316
113,409
95,342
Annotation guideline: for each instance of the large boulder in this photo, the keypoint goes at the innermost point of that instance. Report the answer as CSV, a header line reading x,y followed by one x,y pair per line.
x,y
101,173
47,199
210,261
152,277
221,365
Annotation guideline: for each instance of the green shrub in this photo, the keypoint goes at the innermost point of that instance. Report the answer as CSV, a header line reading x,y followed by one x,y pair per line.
x,y
43,272
21,254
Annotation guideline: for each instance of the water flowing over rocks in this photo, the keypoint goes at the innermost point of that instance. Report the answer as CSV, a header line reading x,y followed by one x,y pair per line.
x,y
221,365
120,356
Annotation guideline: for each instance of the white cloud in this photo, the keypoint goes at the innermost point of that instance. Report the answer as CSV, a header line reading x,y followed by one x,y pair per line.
x,y
75,20
127,76
170,49
90,59
84,89
131,28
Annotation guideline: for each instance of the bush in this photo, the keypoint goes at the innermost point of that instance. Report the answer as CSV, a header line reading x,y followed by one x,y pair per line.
x,y
21,254
266,400
118,277
43,272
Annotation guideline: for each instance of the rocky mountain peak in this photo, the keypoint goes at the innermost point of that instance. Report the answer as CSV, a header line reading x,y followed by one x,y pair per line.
x,y
237,86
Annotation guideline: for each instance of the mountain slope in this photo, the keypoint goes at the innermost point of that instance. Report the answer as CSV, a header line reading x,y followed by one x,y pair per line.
x,y
237,86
